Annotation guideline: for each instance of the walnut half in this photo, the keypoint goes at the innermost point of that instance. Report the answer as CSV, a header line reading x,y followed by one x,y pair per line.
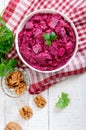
x,y
20,88
13,78
13,126
40,101
26,112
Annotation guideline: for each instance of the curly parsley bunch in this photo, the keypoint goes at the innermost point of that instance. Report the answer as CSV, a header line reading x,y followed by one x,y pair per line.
x,y
6,42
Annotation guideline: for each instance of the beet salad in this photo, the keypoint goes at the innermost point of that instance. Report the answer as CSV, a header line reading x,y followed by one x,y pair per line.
x,y
47,41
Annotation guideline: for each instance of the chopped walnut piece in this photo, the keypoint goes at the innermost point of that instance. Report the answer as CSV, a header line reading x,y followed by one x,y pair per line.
x,y
17,75
26,112
12,82
16,81
20,88
14,78
20,75
40,101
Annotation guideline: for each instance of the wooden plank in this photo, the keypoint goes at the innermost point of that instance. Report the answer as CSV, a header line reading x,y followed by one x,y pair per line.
x,y
74,116
40,116
2,108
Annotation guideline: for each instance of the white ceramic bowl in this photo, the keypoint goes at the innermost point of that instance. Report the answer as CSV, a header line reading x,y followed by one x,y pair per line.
x,y
23,22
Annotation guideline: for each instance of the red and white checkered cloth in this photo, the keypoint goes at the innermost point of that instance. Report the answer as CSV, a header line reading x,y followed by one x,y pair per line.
x,y
76,10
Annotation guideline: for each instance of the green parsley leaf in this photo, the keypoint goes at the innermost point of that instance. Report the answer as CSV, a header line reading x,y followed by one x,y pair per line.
x,y
48,43
49,37
46,36
6,38
63,101
3,69
53,36
2,21
7,66
12,62
2,56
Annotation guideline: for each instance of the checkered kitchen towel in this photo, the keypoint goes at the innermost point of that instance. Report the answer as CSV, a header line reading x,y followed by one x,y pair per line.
x,y
76,10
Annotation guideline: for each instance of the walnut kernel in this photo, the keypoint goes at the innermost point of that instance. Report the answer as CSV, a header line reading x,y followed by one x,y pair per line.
x,y
26,112
14,78
40,101
13,126
20,88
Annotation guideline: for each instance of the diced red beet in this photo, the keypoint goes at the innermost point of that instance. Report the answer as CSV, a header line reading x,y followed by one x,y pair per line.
x,y
25,52
53,51
43,57
49,30
69,47
29,25
53,22
55,44
62,32
43,25
37,48
38,32
61,51
37,17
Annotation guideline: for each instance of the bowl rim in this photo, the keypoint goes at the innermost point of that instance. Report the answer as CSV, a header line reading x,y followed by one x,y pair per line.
x,y
26,18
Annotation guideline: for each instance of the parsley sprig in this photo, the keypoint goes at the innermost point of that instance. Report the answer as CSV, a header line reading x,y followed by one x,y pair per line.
x,y
6,42
6,37
49,37
7,66
63,101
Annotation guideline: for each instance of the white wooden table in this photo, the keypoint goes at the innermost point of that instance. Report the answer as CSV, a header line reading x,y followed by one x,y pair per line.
x,y
71,118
